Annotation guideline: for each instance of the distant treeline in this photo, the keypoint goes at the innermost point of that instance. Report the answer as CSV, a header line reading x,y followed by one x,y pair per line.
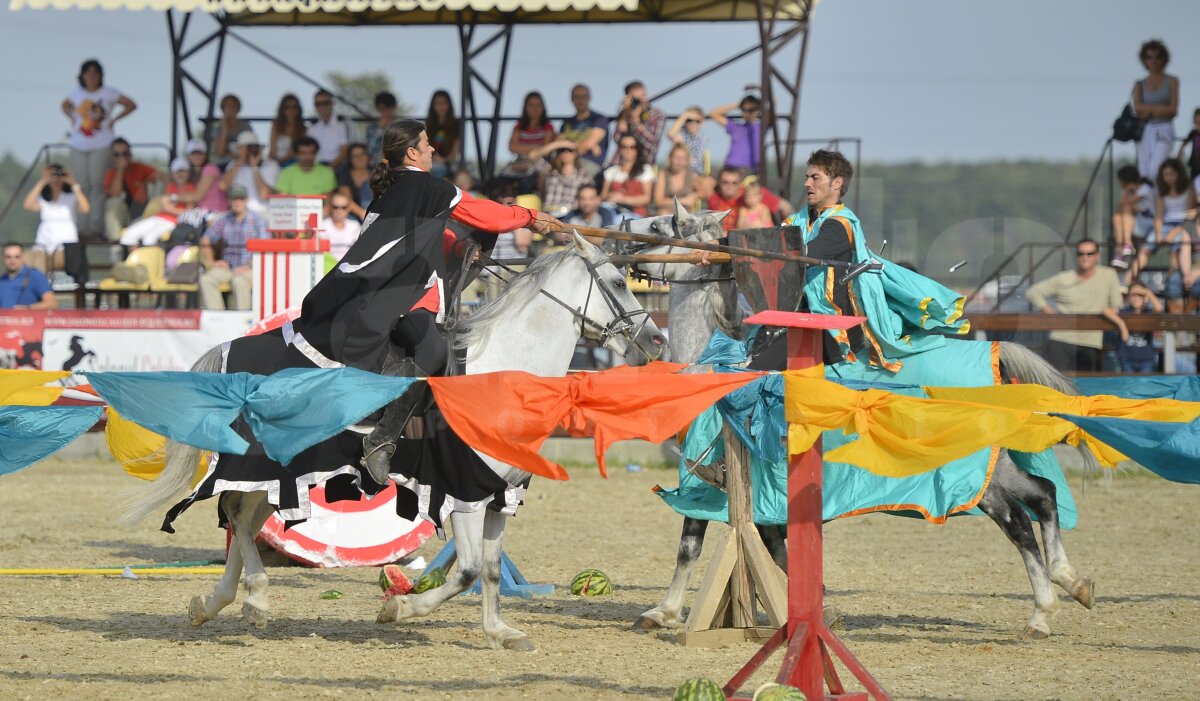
x,y
936,215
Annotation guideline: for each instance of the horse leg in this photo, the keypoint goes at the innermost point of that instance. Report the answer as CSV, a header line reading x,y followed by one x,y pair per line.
x,y
669,610
247,520
1039,494
468,542
1003,508
496,632
205,608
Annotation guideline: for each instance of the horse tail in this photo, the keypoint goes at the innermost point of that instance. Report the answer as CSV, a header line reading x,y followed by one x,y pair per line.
x,y
1028,367
176,477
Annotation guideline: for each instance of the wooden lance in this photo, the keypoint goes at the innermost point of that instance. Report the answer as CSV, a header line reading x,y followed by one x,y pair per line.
x,y
853,270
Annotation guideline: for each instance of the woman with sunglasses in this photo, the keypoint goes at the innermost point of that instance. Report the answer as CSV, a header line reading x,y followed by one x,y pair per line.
x,y
1156,100
629,184
286,130
354,180
58,200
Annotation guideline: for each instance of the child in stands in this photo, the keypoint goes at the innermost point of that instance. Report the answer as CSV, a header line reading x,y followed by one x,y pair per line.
x,y
1136,352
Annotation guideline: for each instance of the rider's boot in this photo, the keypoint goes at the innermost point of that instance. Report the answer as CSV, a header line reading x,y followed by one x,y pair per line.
x,y
380,445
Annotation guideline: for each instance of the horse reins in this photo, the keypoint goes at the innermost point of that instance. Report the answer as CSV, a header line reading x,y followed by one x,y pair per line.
x,y
623,323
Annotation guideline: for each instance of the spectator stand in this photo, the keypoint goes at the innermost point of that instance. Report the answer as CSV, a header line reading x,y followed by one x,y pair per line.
x,y
100,256
783,29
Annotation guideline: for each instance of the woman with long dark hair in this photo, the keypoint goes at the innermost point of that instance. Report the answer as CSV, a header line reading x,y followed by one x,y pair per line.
x,y
442,127
354,180
286,130
629,183
533,128
381,308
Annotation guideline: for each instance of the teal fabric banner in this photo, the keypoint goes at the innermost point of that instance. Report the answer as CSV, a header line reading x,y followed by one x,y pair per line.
x,y
1185,388
1169,450
287,412
31,433
848,490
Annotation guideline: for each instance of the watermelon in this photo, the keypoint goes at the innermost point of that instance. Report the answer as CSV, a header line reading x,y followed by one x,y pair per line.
x,y
699,689
432,579
591,583
393,582
778,692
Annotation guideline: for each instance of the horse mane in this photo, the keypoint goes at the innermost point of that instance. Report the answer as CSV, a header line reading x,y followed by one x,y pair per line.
x,y
474,330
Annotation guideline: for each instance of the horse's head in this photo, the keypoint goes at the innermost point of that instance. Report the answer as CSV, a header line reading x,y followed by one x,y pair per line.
x,y
705,226
610,314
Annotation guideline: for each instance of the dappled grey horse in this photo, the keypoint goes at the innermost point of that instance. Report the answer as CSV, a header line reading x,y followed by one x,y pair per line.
x,y
704,299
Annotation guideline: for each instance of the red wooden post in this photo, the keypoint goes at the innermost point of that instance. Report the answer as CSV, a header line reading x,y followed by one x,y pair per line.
x,y
807,641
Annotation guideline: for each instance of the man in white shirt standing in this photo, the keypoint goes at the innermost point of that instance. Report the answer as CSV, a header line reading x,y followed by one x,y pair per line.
x,y
253,171
338,228
332,131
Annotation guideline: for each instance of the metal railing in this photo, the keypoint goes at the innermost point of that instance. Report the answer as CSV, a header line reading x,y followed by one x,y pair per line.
x,y
1079,223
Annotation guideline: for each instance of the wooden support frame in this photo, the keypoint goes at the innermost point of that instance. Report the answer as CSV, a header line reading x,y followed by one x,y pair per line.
x,y
742,576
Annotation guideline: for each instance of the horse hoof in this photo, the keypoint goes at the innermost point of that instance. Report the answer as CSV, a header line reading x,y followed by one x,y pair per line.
x,y
1031,633
834,620
390,613
645,624
1084,592
521,644
254,615
196,612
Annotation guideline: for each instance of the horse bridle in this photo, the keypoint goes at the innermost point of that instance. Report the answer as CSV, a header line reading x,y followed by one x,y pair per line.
x,y
625,323
639,274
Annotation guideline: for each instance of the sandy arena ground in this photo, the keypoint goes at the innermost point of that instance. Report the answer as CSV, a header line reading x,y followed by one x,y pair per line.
x,y
933,611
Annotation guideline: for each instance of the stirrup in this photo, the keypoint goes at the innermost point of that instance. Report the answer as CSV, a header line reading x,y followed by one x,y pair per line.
x,y
376,469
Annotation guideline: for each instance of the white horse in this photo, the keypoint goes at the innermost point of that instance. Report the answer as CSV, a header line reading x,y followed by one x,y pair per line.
x,y
702,300
533,326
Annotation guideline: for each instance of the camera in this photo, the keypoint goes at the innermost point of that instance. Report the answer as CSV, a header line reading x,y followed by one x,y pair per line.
x,y
635,104
58,172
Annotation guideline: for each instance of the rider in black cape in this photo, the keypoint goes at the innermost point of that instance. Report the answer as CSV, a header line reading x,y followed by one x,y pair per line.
x,y
381,308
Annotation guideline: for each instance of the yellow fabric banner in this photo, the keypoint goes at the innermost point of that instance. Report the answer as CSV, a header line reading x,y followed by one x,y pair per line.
x,y
25,387
902,436
141,452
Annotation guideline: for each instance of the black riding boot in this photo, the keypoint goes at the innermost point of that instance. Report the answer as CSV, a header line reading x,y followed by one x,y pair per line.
x,y
380,445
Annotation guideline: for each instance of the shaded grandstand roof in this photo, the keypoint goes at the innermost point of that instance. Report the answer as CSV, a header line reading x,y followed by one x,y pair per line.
x,y
417,12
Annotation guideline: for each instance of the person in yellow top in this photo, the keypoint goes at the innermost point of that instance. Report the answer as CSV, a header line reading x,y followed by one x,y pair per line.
x,y
1090,288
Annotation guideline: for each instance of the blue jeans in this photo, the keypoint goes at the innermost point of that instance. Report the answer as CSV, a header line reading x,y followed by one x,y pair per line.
x,y
1137,365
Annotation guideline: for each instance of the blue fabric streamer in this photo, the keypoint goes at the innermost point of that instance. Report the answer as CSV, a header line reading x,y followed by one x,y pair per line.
x,y
1185,388
287,412
1169,450
30,433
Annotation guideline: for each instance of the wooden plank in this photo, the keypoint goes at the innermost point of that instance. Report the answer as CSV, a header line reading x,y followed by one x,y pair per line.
x,y
1082,322
716,581
741,518
769,581
718,637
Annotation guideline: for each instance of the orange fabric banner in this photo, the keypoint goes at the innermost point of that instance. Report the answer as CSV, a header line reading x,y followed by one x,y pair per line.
x,y
509,415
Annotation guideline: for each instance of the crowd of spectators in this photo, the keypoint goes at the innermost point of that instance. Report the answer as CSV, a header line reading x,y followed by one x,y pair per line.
x,y
1155,213
588,168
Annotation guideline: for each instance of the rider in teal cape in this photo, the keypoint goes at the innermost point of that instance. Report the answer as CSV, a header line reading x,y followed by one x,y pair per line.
x,y
907,313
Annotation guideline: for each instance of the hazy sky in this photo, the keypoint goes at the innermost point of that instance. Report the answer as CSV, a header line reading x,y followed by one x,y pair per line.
x,y
919,79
